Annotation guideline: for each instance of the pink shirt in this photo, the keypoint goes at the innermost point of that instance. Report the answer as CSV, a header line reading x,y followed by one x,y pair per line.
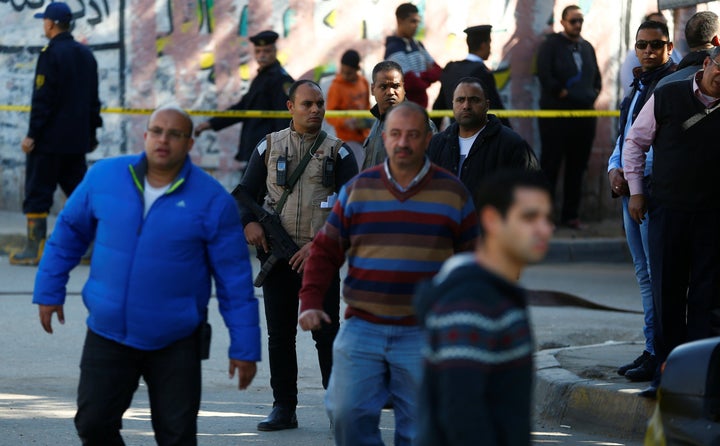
x,y
642,134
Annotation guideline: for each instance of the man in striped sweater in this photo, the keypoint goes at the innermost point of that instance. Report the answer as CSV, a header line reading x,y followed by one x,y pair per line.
x,y
396,223
477,383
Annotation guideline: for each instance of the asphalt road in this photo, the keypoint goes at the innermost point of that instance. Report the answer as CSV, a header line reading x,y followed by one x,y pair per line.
x,y
38,375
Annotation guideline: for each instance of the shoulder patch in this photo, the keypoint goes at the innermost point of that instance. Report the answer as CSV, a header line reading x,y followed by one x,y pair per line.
x,y
262,147
286,88
343,152
39,81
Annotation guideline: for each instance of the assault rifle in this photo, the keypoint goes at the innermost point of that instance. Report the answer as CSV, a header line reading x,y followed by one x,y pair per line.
x,y
281,245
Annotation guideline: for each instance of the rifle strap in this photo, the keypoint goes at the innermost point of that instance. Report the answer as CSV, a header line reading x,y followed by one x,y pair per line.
x,y
299,171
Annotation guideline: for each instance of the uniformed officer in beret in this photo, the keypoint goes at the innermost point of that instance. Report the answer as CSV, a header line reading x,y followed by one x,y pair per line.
x,y
478,42
268,91
64,115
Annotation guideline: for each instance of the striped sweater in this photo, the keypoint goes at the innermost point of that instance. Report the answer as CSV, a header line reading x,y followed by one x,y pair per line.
x,y
392,240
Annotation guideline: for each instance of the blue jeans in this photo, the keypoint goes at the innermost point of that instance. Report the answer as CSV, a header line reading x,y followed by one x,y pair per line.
x,y
372,362
637,240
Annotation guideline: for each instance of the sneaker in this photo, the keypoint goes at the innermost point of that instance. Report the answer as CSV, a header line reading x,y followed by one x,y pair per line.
x,y
635,364
644,372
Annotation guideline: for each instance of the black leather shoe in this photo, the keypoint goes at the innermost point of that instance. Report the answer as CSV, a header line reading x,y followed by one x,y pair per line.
x,y
645,372
280,418
635,364
650,392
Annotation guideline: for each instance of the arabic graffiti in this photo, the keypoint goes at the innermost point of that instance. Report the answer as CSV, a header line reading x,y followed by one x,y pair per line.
x,y
94,12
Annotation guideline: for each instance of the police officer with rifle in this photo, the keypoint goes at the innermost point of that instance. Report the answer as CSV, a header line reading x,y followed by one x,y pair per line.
x,y
296,174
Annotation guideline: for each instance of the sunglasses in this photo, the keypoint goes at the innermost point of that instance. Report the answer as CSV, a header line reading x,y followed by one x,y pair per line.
x,y
576,21
654,44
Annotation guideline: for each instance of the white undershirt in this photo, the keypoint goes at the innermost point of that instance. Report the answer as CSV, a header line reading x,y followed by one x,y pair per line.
x,y
151,194
465,145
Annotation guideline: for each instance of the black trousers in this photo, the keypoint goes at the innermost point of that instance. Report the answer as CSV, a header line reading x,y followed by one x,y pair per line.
x,y
685,264
43,173
280,295
109,375
568,139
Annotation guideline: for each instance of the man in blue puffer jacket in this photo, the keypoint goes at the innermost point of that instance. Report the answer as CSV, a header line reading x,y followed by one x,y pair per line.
x,y
162,228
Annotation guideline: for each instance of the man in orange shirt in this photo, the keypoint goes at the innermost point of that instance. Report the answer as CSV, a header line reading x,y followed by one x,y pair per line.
x,y
350,91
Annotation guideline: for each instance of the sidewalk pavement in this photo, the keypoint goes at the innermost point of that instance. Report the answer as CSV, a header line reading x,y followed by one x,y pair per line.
x,y
579,386
575,385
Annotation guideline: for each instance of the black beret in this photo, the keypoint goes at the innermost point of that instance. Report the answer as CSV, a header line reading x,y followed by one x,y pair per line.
x,y
479,30
264,38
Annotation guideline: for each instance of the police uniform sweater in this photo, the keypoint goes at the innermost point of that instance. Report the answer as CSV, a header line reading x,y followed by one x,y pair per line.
x,y
392,239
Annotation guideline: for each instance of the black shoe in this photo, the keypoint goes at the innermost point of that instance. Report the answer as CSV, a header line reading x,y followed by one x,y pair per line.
x,y
650,392
635,364
645,372
280,418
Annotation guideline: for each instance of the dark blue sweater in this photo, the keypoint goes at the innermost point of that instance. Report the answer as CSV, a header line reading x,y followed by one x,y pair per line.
x,y
477,385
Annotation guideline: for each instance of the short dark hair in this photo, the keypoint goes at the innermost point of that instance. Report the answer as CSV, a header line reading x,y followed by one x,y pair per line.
x,y
386,65
469,80
474,41
498,189
648,17
567,10
701,28
296,84
651,24
413,107
406,10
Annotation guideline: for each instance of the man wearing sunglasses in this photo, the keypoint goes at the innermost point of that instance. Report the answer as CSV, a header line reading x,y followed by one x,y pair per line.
x,y
570,80
680,122
631,60
653,49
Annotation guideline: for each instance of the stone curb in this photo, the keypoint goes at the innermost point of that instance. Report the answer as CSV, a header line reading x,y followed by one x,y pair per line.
x,y
564,398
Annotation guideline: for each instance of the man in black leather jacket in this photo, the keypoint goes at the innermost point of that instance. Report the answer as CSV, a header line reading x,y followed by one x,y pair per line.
x,y
477,143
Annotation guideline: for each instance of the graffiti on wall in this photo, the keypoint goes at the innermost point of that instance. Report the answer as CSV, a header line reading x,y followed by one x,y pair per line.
x,y
196,54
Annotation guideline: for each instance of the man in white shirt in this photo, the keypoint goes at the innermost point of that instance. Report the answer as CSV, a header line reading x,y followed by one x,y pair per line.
x,y
477,143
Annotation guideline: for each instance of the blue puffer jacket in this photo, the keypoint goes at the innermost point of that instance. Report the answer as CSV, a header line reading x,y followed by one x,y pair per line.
x,y
149,280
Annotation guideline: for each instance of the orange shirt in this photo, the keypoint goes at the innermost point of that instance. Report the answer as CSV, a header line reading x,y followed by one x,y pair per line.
x,y
344,95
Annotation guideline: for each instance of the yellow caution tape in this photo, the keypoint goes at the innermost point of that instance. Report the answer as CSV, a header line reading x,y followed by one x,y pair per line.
x,y
277,114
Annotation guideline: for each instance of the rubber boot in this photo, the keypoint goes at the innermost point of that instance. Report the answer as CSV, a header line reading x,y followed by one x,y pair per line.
x,y
36,235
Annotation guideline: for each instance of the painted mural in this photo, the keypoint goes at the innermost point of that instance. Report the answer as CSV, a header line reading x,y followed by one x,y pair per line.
x,y
196,54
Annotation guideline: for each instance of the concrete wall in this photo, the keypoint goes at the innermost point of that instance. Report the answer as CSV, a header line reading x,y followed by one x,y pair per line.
x,y
196,53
